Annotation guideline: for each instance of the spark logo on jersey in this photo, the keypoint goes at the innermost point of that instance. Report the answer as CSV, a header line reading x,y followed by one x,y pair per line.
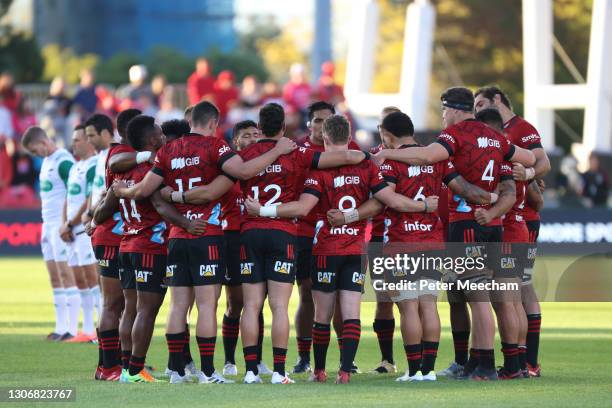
x,y
342,180
484,142
142,276
224,150
529,138
208,271
170,271
325,277
283,267
358,278
344,230
182,162
417,226
414,171
246,268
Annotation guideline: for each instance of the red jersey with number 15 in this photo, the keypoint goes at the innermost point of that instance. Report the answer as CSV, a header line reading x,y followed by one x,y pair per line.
x,y
188,162
144,230
276,184
109,233
477,152
343,188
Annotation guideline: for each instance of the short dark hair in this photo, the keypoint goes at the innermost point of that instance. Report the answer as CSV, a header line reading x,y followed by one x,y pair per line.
x,y
398,124
271,119
245,124
489,92
318,106
175,128
203,112
80,126
459,98
491,117
188,111
137,131
32,134
124,118
100,122
338,129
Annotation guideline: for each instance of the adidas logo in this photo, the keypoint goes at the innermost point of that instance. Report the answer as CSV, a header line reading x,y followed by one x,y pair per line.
x,y
484,142
181,162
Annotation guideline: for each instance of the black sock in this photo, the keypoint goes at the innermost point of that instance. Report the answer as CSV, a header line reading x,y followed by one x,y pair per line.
x,y
522,357
280,355
320,343
472,362
100,352
136,364
303,345
534,322
384,329
176,345
109,342
511,359
351,334
230,330
186,347
486,359
413,355
207,354
460,342
125,358
430,352
250,358
260,338
340,343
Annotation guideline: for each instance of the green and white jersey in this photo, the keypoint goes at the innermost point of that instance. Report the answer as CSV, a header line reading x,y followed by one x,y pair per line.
x,y
99,184
53,179
80,182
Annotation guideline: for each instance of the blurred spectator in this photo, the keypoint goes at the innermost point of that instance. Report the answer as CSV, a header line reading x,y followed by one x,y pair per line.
x,y
250,94
85,96
55,111
107,104
24,118
158,85
8,92
297,91
200,84
226,93
132,94
271,92
6,121
167,109
147,105
20,193
327,89
595,185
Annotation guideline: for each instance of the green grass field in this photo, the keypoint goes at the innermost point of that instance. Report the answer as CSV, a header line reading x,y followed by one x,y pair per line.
x,y
575,354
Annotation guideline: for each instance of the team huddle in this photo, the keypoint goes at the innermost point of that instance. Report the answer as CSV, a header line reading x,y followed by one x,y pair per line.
x,y
177,207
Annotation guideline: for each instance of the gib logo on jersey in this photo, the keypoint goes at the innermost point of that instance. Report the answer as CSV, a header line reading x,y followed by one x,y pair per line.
x,y
344,230
414,171
358,278
246,268
417,226
182,162
283,267
325,277
345,180
484,142
142,276
208,271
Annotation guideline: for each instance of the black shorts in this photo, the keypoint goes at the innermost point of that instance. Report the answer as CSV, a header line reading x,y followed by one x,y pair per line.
x,y
304,258
338,272
480,241
232,258
532,250
144,272
196,262
267,255
108,260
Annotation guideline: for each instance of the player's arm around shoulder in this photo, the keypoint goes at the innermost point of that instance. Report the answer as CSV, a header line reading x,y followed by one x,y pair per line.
x,y
236,167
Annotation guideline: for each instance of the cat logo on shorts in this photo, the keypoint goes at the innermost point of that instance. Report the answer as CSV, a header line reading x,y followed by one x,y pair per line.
x,y
358,278
508,262
325,277
246,268
283,267
170,271
142,276
103,263
208,271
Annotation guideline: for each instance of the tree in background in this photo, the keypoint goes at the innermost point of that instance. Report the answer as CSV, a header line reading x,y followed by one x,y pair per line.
x,y
65,63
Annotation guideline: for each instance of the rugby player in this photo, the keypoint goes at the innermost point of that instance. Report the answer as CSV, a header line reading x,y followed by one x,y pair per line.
x,y
338,270
53,178
81,257
198,262
523,134
477,153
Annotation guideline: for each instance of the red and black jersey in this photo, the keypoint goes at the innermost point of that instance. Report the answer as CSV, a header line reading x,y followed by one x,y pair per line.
x,y
416,182
378,222
231,208
186,163
477,152
276,184
306,225
344,188
144,230
523,134
110,231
